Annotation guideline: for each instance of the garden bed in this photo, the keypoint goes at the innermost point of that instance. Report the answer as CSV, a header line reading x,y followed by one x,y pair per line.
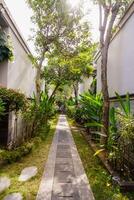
x,y
125,186
98,174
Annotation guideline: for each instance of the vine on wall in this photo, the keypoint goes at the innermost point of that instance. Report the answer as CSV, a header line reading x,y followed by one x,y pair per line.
x,y
12,99
6,52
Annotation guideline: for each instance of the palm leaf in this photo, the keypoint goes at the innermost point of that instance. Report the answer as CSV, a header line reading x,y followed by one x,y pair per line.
x,y
94,124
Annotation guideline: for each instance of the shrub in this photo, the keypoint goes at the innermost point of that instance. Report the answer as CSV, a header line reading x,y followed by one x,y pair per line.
x,y
16,154
70,110
2,108
40,113
13,99
119,197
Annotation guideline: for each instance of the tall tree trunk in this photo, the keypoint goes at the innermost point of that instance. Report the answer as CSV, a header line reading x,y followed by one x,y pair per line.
x,y
38,84
38,77
106,26
105,112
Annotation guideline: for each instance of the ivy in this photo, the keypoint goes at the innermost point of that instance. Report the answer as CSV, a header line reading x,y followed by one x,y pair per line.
x,y
13,99
6,52
2,108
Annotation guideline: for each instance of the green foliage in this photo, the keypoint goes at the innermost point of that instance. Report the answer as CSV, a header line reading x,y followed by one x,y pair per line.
x,y
11,156
56,25
60,31
121,135
16,154
40,113
57,71
71,109
91,109
121,121
68,69
126,125
99,178
120,197
124,104
5,49
2,108
13,99
113,121
113,134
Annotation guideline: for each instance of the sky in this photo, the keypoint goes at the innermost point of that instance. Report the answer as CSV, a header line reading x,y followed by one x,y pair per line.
x,y
22,13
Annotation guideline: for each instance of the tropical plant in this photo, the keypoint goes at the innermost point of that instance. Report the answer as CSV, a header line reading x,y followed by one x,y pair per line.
x,y
39,114
125,125
125,104
121,135
6,52
113,134
90,109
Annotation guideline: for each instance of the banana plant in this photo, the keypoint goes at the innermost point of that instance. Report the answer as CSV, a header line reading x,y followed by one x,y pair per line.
x,y
91,109
125,104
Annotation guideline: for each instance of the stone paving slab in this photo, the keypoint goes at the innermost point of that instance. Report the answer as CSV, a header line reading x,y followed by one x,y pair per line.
x,y
64,167
4,183
64,177
63,146
28,173
13,196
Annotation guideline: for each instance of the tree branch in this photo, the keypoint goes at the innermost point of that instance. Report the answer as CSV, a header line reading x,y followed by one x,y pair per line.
x,y
114,11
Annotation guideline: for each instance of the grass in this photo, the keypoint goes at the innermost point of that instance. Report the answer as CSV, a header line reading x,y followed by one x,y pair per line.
x,y
36,158
98,177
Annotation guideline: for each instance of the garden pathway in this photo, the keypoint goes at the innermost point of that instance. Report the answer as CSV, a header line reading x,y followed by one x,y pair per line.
x,y
64,177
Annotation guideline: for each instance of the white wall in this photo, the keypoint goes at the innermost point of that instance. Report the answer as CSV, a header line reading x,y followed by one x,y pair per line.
x,y
120,62
21,74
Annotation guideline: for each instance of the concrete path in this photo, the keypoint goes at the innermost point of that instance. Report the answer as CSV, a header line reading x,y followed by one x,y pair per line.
x,y
64,177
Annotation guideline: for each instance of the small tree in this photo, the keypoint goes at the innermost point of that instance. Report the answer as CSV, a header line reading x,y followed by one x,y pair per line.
x,y
68,69
109,10
55,25
81,66
56,74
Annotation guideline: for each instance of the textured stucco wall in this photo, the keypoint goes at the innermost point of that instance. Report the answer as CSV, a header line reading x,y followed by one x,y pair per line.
x,y
120,61
21,74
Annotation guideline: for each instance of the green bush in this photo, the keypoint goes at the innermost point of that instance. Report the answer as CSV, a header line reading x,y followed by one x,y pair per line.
x,y
16,154
119,197
12,99
2,108
70,110
39,113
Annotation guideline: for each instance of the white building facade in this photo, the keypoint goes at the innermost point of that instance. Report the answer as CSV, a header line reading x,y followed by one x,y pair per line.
x,y
19,74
